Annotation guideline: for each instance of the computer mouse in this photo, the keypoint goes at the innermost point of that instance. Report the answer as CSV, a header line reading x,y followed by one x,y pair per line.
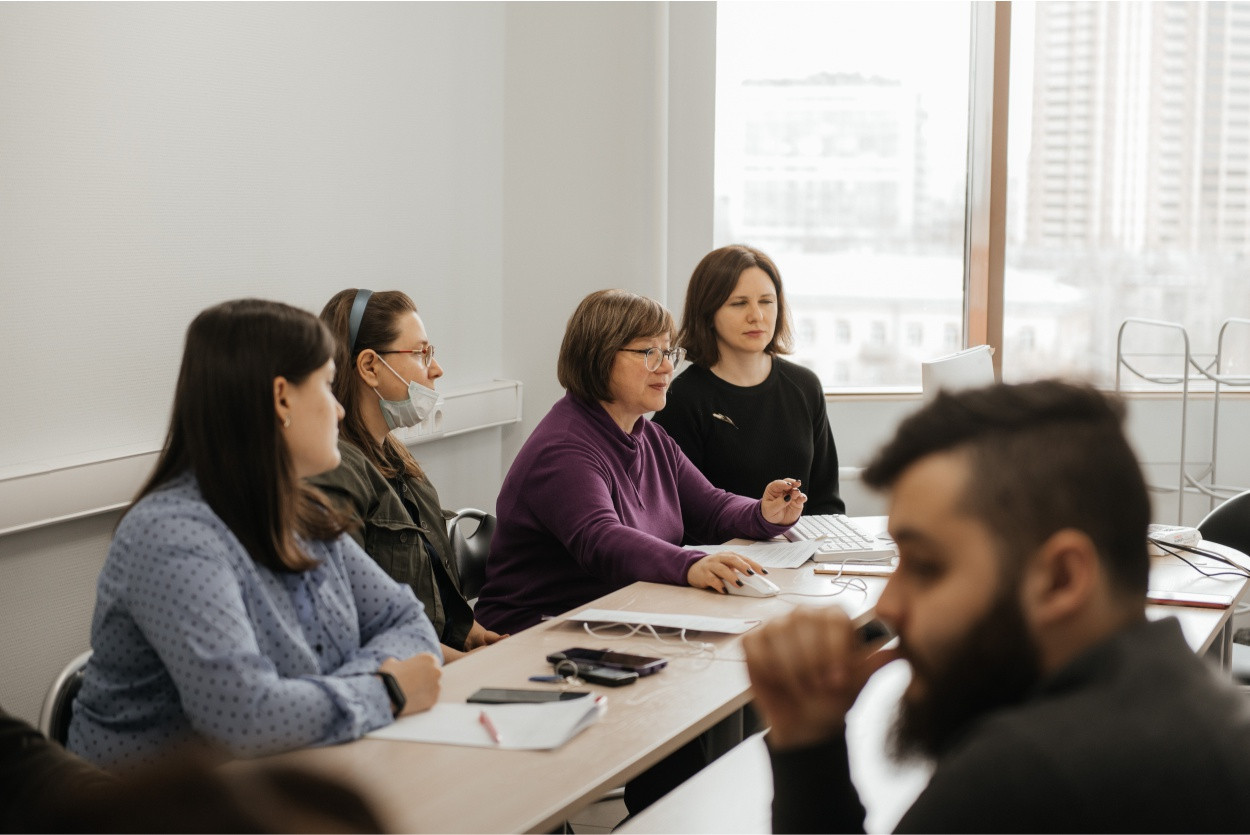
x,y
753,585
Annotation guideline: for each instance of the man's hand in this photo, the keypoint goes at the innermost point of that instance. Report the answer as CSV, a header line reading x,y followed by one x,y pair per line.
x,y
806,671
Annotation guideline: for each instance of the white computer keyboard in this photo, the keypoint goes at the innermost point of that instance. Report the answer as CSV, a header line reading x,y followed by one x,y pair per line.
x,y
839,539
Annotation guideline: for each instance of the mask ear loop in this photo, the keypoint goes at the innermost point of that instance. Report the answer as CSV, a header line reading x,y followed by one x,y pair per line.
x,y
353,321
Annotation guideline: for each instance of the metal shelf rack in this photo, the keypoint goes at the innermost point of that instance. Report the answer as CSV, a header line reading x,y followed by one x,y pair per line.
x,y
1190,368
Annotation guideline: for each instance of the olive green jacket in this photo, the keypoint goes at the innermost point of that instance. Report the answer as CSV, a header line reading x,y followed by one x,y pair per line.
x,y
393,538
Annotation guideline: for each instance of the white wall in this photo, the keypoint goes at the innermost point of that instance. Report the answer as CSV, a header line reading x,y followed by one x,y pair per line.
x,y
583,193
159,157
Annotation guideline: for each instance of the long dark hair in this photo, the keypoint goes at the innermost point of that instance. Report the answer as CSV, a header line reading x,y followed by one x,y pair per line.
x,y
712,282
379,328
225,430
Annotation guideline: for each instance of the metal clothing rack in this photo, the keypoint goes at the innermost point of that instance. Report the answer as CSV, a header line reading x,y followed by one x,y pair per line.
x,y
1190,368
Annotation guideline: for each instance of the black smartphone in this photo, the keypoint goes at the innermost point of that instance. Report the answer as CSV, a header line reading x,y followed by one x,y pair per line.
x,y
643,665
604,675
511,695
872,630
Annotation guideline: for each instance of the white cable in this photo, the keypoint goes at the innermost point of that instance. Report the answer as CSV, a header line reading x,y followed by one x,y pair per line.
x,y
634,628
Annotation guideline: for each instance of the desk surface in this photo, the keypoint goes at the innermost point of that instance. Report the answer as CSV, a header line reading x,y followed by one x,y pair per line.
x,y
420,787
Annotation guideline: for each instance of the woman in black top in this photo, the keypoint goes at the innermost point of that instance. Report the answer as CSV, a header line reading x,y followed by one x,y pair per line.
x,y
740,412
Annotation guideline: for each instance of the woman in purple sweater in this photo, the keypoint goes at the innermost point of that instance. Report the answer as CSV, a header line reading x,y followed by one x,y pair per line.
x,y
599,496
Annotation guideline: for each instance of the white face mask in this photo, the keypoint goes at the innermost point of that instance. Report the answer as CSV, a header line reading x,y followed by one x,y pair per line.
x,y
420,404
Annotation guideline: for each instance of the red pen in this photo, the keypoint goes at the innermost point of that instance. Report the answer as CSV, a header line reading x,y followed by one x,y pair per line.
x,y
490,727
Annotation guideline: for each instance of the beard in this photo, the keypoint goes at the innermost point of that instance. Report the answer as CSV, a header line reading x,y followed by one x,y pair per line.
x,y
994,666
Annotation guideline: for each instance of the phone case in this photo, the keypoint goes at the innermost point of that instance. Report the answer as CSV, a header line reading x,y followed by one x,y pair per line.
x,y
605,675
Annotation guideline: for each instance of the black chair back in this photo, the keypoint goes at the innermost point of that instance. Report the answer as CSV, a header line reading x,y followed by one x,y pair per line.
x,y
471,551
1229,524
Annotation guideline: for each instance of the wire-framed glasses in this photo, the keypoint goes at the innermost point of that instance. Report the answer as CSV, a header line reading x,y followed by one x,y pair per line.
x,y
425,355
654,357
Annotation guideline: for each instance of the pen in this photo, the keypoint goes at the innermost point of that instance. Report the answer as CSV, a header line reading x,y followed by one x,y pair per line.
x,y
490,727
548,679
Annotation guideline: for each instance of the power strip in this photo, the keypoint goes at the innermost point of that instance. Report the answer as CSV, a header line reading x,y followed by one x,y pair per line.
x,y
1170,535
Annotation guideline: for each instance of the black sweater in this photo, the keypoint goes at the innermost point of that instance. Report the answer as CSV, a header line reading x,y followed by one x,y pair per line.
x,y
1136,735
742,437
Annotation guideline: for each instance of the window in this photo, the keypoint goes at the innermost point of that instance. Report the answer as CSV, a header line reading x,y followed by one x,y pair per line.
x,y
841,146
1137,250
950,337
1124,175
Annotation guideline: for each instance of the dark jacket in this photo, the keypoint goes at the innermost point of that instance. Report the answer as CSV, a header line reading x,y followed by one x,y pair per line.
x,y
390,535
1137,734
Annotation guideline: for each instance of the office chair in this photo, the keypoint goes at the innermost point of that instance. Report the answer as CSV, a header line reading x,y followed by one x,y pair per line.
x,y
470,551
58,704
1229,524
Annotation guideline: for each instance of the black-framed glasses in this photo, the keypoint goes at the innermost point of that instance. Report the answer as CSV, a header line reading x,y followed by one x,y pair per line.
x,y
654,357
425,355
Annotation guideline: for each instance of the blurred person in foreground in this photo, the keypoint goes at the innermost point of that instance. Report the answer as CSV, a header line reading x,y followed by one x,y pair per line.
x,y
47,789
1043,695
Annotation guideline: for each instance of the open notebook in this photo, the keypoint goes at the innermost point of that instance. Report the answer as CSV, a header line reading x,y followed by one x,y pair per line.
x,y
530,727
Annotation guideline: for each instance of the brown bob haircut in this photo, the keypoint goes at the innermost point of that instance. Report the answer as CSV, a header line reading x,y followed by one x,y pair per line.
x,y
711,284
379,328
225,430
605,322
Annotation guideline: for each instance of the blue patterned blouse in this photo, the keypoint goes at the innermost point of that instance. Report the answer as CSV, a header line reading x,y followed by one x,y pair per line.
x,y
192,637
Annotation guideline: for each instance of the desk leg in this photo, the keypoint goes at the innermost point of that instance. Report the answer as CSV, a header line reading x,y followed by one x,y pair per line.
x,y
1226,646
724,735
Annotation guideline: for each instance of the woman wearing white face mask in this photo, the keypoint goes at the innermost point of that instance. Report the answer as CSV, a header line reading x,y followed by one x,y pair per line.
x,y
387,383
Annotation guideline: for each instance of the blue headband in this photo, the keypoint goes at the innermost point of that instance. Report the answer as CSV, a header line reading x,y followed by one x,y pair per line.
x,y
358,313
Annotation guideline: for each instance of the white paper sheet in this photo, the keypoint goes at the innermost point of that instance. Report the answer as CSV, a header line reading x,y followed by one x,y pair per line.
x,y
519,726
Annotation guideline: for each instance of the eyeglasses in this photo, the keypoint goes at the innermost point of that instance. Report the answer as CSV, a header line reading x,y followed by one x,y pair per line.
x,y
425,355
654,357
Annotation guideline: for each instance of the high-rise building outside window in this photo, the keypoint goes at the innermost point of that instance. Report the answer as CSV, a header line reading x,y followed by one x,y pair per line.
x,y
1128,156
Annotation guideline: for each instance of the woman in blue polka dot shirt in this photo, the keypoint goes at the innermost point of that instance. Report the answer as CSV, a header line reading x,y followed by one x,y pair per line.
x,y
232,607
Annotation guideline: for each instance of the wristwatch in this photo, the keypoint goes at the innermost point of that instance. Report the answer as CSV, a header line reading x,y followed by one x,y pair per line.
x,y
398,699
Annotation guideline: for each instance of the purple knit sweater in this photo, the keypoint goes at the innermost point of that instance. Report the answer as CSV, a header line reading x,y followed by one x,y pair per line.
x,y
587,509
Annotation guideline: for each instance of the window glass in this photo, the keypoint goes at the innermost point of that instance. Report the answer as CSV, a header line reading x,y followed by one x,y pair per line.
x,y
841,145
1127,181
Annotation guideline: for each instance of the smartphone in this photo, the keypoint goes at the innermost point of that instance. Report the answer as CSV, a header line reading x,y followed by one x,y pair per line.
x,y
1186,598
510,695
872,630
862,569
607,676
643,665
